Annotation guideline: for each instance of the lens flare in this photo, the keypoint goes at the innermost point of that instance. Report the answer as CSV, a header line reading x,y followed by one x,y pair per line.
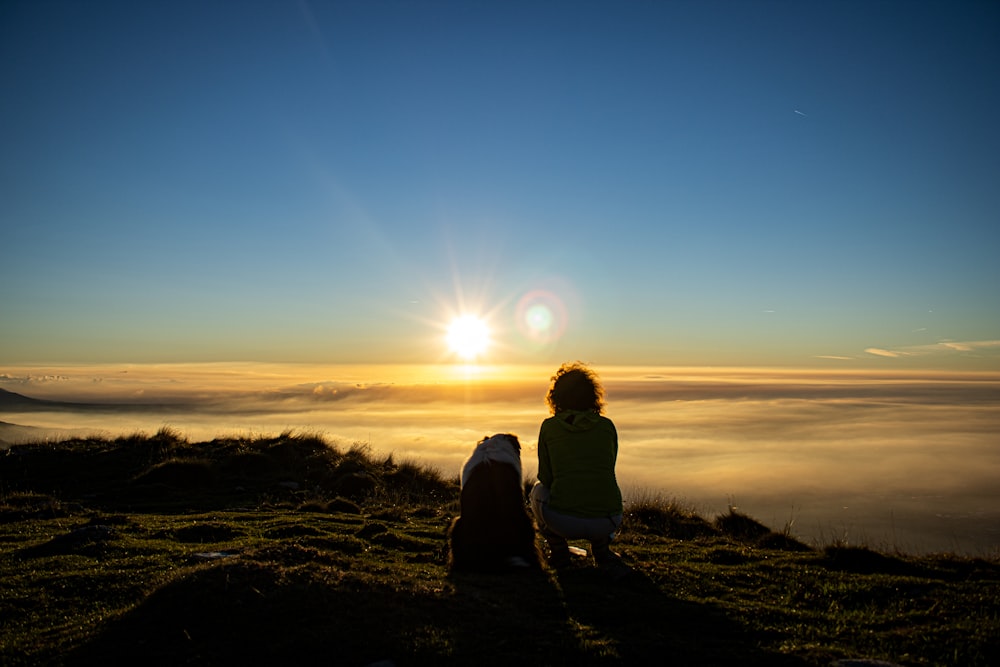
x,y
541,316
538,317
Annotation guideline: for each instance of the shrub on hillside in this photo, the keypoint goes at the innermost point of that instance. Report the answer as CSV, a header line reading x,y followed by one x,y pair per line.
x,y
665,518
187,473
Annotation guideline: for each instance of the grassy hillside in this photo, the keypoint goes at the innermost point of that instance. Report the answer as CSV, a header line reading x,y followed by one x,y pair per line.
x,y
264,550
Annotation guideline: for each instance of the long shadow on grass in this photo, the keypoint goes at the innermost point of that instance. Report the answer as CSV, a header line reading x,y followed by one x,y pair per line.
x,y
247,612
638,623
301,605
515,618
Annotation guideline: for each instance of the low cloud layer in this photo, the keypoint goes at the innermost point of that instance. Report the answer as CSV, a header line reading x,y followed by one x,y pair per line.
x,y
875,453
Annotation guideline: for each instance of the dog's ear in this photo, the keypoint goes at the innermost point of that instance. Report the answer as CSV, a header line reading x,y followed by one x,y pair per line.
x,y
514,441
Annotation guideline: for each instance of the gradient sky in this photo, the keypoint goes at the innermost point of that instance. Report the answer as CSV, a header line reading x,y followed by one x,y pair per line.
x,y
743,183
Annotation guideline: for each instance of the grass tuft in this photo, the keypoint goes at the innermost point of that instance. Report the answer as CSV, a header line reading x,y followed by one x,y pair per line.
x,y
653,514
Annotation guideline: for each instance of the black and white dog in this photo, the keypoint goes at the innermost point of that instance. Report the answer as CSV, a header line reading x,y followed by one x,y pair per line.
x,y
494,532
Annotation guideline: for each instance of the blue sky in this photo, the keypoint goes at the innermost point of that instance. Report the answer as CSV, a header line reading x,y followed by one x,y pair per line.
x,y
679,183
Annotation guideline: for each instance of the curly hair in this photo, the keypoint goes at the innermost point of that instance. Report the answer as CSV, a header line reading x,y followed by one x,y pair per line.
x,y
575,387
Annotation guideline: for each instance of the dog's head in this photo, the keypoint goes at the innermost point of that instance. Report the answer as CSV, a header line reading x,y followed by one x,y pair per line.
x,y
499,448
501,440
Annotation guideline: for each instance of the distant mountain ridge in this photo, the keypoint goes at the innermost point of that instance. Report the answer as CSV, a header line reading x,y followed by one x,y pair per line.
x,y
10,400
13,402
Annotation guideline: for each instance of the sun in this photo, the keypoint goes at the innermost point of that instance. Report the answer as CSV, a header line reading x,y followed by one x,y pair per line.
x,y
468,336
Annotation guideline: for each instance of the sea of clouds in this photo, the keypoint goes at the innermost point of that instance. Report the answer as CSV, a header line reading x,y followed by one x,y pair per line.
x,y
904,460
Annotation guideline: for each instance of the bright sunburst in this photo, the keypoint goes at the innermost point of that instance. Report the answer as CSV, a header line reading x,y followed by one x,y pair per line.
x,y
468,337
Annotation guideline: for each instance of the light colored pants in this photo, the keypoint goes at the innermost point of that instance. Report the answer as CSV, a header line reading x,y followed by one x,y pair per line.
x,y
600,529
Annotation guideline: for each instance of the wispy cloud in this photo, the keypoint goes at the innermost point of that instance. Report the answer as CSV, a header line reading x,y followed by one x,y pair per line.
x,y
878,352
941,348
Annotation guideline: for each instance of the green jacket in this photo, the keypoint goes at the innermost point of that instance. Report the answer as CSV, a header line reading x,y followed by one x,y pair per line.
x,y
577,452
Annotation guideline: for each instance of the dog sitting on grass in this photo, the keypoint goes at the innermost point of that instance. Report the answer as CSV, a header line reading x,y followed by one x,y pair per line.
x,y
494,532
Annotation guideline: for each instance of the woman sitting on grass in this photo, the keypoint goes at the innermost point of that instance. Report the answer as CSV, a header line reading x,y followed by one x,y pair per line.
x,y
577,494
